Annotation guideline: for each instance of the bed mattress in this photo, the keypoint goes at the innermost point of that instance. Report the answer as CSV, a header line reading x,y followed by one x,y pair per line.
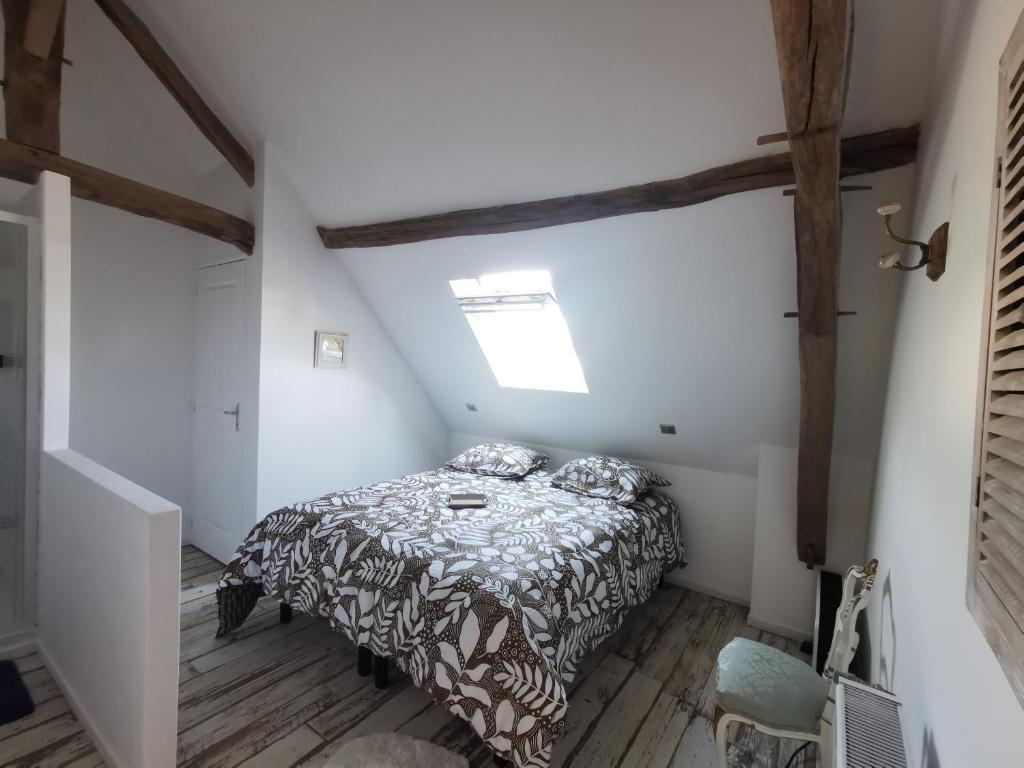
x,y
489,610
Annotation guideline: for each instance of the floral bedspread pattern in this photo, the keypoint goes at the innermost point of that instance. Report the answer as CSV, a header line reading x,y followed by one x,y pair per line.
x,y
489,610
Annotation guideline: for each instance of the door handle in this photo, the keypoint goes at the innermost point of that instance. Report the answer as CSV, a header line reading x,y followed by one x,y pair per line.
x,y
235,413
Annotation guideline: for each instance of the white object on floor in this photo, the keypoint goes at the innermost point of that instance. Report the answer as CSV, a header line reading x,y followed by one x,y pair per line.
x,y
394,750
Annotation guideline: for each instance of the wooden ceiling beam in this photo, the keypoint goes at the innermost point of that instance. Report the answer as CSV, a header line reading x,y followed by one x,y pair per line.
x,y
161,64
44,16
861,154
31,84
32,116
812,39
24,163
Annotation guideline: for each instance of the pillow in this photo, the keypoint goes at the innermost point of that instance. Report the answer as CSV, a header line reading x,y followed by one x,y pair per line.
x,y
498,460
606,477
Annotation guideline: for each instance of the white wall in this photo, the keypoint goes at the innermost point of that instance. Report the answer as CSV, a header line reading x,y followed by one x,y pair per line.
x,y
131,347
322,429
717,512
783,588
960,711
677,317
109,574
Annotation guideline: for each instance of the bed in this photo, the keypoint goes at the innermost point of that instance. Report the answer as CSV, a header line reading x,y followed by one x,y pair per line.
x,y
489,610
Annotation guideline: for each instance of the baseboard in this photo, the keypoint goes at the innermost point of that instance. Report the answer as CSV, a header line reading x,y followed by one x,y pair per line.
x,y
778,629
679,579
76,706
17,644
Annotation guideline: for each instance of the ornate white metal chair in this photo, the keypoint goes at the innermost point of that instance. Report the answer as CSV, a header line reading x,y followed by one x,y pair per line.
x,y
780,695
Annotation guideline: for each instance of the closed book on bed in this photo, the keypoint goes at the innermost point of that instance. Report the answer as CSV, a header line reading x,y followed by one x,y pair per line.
x,y
467,500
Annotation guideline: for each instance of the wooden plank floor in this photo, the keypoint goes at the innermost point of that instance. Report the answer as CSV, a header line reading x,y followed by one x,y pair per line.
x,y
51,736
288,695
276,695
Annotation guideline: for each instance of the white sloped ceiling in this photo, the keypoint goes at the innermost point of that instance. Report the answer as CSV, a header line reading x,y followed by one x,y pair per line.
x,y
389,109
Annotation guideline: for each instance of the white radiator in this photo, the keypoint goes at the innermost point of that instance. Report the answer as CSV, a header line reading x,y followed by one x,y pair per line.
x,y
869,728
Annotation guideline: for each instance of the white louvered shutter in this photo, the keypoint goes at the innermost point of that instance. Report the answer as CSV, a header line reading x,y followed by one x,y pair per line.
x,y
995,591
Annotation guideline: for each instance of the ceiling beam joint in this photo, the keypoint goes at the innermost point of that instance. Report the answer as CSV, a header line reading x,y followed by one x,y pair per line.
x,y
44,17
32,84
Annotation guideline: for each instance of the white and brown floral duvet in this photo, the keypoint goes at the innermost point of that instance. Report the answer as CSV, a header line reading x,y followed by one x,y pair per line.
x,y
489,610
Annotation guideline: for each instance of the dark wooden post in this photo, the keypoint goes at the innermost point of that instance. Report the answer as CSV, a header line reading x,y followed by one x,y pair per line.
x,y
813,42
32,84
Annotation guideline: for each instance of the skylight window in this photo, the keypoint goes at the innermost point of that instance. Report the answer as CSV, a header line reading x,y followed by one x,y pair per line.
x,y
521,330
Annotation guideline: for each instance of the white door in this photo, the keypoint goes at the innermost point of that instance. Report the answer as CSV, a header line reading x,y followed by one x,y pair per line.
x,y
217,421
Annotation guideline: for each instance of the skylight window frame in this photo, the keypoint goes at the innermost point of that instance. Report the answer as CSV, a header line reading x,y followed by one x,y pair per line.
x,y
506,302
545,358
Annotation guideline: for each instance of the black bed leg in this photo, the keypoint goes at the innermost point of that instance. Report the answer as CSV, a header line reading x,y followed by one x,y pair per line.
x,y
381,678
661,582
286,613
364,665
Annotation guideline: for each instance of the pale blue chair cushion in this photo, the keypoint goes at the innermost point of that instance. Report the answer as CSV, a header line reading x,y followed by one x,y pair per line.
x,y
771,687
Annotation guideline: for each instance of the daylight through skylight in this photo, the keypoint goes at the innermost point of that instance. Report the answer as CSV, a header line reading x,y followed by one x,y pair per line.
x,y
521,330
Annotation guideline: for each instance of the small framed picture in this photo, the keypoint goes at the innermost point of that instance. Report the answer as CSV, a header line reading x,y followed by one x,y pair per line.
x,y
331,350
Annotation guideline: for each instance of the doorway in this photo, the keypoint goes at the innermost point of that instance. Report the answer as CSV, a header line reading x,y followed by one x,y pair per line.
x,y
218,423
18,424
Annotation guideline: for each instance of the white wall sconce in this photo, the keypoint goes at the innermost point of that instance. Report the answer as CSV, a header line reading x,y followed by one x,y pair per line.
x,y
933,253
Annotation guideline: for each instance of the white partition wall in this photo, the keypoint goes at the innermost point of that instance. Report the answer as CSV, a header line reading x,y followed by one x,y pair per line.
x,y
109,554
108,613
54,207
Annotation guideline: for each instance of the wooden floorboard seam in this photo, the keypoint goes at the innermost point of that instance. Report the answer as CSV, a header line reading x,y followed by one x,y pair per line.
x,y
246,688
240,738
664,684
597,718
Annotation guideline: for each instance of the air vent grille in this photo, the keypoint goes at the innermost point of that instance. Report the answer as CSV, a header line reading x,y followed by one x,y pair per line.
x,y
870,732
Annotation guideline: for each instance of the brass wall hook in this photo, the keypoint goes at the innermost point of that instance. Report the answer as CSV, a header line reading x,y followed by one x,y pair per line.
x,y
933,253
